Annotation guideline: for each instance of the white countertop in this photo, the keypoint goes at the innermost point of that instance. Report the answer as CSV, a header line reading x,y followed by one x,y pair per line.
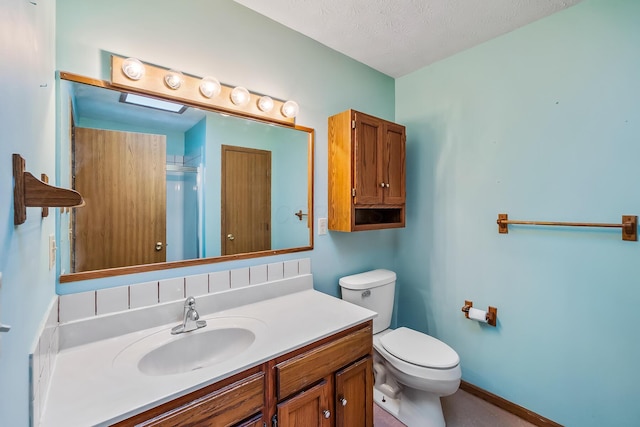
x,y
88,388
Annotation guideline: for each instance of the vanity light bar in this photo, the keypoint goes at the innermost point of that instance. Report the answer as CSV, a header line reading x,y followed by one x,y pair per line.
x,y
152,82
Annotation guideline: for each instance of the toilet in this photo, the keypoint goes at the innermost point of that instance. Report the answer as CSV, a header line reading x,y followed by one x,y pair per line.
x,y
412,370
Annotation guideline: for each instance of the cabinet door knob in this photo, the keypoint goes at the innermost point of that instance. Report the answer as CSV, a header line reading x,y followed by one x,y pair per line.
x,y
326,413
343,401
382,184
386,185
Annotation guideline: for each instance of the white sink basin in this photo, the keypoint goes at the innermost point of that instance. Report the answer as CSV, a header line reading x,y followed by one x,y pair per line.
x,y
161,353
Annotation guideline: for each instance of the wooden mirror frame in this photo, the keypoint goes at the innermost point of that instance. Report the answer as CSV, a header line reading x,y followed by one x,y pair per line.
x,y
134,269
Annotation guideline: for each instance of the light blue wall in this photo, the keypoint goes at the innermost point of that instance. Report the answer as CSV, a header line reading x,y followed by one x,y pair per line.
x,y
27,120
175,140
202,37
288,177
239,47
543,124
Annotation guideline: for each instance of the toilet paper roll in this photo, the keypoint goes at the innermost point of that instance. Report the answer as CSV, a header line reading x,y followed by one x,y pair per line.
x,y
479,315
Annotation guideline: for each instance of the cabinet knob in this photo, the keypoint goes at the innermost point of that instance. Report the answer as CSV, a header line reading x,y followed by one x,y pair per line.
x,y
386,185
343,401
326,413
382,184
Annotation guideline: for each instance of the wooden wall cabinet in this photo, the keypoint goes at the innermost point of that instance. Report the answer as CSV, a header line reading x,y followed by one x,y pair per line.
x,y
366,172
327,383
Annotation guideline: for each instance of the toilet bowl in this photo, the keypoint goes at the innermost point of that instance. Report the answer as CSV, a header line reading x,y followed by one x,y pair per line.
x,y
412,370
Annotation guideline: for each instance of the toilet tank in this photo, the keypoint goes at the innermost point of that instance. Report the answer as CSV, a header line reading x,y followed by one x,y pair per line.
x,y
374,290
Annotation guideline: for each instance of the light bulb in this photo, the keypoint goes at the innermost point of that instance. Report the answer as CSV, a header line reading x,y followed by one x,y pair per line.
x,y
240,96
210,87
173,79
265,103
133,68
290,109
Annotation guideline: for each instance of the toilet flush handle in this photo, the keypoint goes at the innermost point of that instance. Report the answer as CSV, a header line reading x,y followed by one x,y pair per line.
x,y
366,293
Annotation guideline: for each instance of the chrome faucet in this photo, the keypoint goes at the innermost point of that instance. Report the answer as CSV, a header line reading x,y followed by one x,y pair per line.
x,y
190,320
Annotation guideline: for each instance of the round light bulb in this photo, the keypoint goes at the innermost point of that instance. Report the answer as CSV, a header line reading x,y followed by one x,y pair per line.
x,y
173,79
265,103
290,109
133,68
240,96
210,87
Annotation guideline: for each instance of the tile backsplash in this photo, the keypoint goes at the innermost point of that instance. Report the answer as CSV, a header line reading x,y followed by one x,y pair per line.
x,y
104,301
42,361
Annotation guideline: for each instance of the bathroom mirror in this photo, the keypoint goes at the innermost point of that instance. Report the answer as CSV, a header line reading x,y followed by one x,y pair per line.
x,y
172,189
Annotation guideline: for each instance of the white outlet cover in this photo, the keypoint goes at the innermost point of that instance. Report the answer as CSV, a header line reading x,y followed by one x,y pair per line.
x,y
322,226
52,251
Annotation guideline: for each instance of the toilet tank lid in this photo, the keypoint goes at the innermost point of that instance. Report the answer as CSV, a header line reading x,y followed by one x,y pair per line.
x,y
368,279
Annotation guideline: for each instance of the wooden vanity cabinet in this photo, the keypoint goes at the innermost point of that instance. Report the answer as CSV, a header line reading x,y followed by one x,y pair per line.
x,y
366,172
328,385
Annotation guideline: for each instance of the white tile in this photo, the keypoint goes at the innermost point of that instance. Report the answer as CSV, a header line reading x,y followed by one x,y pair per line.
x,y
171,289
275,271
112,300
304,266
239,277
258,274
52,320
35,407
143,294
290,268
219,281
55,341
43,385
196,285
45,348
34,369
77,306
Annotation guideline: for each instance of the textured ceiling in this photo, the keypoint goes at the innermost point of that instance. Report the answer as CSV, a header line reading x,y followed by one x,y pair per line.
x,y
397,37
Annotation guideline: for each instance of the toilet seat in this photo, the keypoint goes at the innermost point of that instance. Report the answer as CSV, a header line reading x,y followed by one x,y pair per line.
x,y
419,349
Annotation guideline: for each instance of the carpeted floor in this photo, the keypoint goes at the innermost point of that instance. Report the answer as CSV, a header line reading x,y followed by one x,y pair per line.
x,y
461,410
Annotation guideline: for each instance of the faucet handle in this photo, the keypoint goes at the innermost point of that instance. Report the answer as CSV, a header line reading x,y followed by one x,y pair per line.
x,y
190,302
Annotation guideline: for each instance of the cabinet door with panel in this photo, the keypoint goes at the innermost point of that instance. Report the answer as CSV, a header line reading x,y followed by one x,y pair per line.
x,y
393,170
368,163
367,176
354,395
309,408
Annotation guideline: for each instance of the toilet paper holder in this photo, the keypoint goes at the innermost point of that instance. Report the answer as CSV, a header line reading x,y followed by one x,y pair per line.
x,y
491,315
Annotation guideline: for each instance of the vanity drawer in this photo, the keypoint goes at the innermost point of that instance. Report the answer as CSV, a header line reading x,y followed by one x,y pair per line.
x,y
307,368
224,407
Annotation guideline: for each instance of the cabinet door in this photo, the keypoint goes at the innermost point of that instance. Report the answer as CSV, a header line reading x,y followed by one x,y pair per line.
x,y
367,160
354,395
394,164
310,408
